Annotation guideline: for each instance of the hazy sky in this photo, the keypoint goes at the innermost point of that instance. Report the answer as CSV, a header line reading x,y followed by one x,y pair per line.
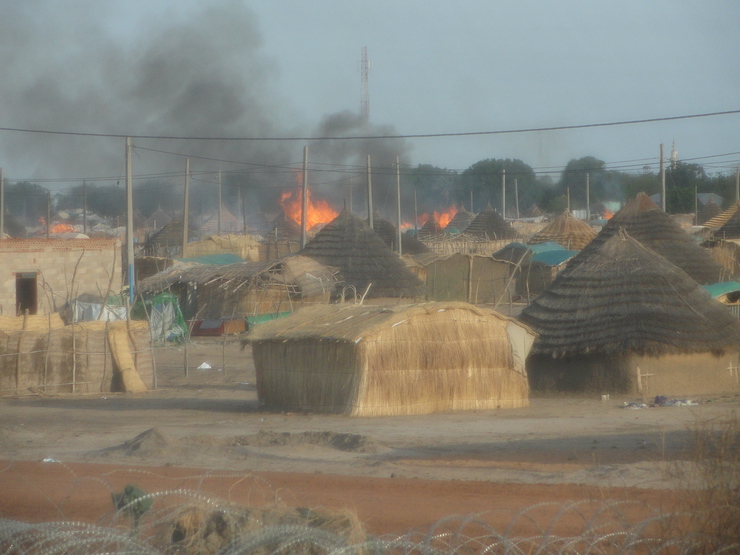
x,y
236,68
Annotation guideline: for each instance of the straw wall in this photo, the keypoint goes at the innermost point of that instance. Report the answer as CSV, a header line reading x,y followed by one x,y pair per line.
x,y
69,359
444,360
681,374
451,360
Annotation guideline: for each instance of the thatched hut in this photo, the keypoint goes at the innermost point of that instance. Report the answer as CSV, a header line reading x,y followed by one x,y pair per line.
x,y
644,221
389,360
387,232
627,320
431,226
472,278
490,225
566,230
460,221
721,219
244,289
167,241
364,261
707,212
157,219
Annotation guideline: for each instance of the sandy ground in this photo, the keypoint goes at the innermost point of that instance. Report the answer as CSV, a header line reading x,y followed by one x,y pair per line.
x,y
210,424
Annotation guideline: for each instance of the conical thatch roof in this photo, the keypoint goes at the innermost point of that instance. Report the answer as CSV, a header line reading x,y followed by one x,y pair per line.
x,y
158,219
655,229
721,219
532,212
625,299
461,221
566,230
491,225
431,226
387,232
731,229
707,212
284,228
171,234
363,258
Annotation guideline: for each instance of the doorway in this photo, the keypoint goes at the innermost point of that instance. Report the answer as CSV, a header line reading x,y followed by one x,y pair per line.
x,y
26,293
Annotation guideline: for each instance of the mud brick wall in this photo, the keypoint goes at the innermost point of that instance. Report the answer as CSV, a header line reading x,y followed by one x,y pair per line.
x,y
54,261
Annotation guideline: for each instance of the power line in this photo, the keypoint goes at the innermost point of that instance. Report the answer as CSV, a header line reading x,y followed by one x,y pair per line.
x,y
371,137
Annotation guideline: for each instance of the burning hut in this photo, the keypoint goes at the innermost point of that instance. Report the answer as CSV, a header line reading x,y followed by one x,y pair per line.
x,y
364,261
432,226
490,225
655,229
566,230
627,320
389,235
405,359
460,221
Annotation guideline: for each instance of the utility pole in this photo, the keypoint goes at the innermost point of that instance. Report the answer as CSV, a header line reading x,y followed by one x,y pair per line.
x,y
365,67
369,193
567,197
516,196
84,207
350,195
2,204
129,223
218,230
662,178
185,206
471,202
416,213
243,198
503,193
304,197
48,212
398,205
696,205
588,198
737,183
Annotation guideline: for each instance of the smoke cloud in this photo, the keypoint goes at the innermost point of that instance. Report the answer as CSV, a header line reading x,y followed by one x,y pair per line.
x,y
72,68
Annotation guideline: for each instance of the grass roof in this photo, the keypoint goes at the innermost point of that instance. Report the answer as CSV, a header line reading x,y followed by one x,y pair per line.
x,y
491,225
721,219
644,221
363,259
461,220
387,232
625,298
566,230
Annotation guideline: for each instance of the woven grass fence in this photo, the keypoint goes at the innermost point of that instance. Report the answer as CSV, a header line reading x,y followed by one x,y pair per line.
x,y
45,356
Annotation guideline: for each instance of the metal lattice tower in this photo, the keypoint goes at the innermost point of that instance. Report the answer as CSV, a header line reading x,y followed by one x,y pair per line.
x,y
365,68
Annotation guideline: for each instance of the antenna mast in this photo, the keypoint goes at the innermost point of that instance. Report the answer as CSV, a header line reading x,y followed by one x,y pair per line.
x,y
365,68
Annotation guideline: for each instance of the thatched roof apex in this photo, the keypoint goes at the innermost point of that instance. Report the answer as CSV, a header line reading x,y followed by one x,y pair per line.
x,y
363,259
353,322
707,212
644,221
13,228
431,226
566,230
491,225
721,219
387,232
627,299
461,220
157,219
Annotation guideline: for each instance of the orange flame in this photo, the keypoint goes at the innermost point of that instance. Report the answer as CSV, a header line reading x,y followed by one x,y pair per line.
x,y
61,228
317,211
444,218
608,214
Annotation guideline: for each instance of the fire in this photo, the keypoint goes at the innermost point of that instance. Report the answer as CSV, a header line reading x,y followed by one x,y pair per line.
x,y
317,211
608,214
61,228
444,218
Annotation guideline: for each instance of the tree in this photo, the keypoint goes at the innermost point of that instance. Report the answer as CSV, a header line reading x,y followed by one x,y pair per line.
x,y
484,179
435,187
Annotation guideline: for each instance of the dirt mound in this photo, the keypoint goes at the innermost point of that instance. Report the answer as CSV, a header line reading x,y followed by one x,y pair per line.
x,y
355,443
147,444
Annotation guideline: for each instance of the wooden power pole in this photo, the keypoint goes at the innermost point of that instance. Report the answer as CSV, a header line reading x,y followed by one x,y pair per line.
x,y
662,179
398,206
304,198
129,223
369,193
186,206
